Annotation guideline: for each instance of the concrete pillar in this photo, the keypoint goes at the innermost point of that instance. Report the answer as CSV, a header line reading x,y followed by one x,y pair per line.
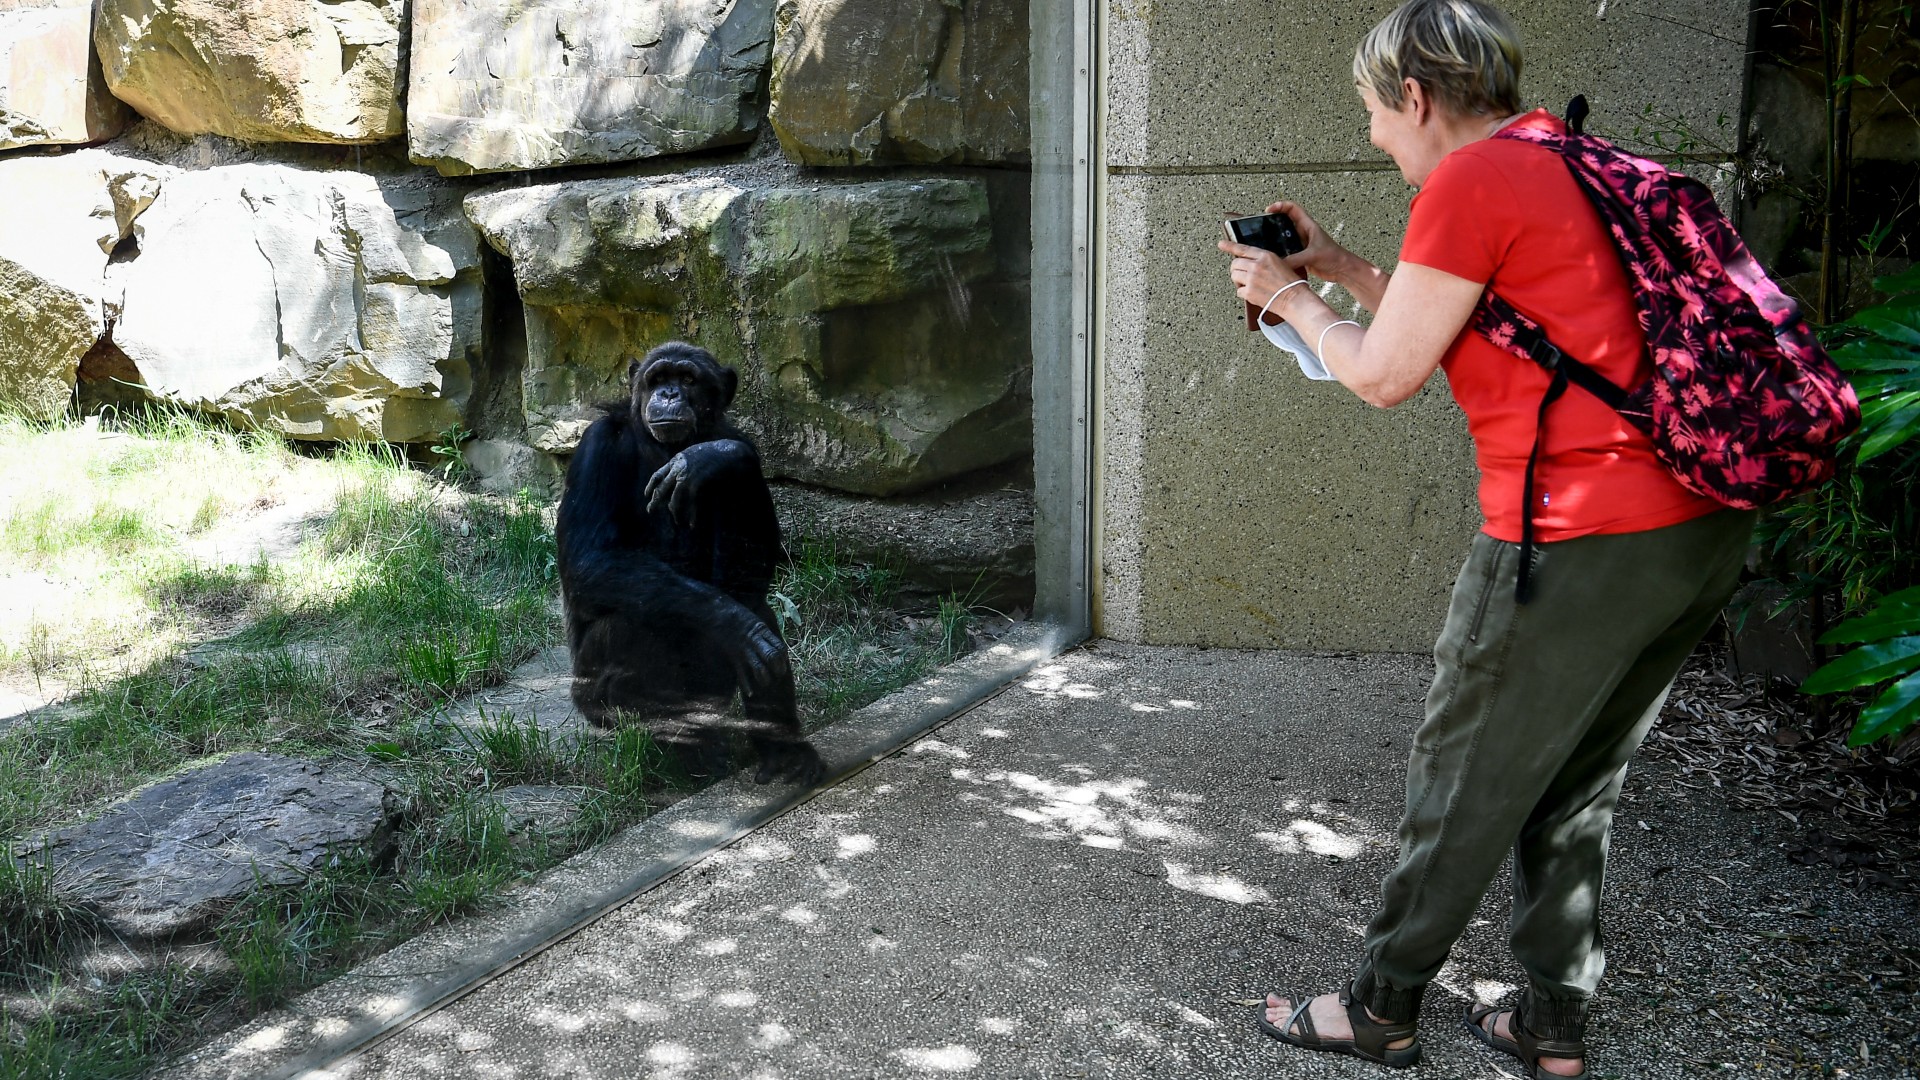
x,y
1239,504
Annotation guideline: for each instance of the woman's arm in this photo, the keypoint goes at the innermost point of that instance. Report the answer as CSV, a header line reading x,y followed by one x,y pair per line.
x,y
1421,310
1421,313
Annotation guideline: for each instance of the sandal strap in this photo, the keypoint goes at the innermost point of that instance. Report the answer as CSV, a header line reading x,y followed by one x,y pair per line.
x,y
1553,1048
1300,1015
1534,1048
1369,1035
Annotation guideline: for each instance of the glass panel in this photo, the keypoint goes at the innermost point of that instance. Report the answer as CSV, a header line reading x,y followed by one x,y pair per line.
x,y
557,444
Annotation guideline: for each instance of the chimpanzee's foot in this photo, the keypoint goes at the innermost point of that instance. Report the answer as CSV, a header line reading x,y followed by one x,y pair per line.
x,y
789,762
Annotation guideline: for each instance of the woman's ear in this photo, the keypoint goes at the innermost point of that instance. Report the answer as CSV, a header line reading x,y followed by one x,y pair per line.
x,y
1414,96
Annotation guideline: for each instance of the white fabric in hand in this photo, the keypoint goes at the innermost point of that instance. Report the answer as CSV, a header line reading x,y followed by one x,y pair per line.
x,y
1284,336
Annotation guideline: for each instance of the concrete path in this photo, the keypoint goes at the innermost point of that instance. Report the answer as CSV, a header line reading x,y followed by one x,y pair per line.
x,y
1096,873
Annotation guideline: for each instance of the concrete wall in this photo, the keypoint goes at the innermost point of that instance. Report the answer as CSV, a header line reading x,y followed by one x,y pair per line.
x,y
1239,504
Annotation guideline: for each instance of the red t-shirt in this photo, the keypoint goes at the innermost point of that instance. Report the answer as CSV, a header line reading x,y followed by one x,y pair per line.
x,y
1508,214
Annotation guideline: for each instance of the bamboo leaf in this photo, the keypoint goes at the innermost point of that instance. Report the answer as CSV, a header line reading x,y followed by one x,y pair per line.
x,y
1890,714
1880,408
1883,622
1868,387
1900,324
1903,598
1876,352
1887,363
1891,431
1905,281
1865,666
1883,441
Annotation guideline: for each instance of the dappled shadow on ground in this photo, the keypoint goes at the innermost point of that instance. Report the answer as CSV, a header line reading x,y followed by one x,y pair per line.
x,y
1031,892
1099,872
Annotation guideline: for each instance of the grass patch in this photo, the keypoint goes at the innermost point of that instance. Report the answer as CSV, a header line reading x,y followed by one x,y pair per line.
x,y
405,595
35,925
119,1033
852,642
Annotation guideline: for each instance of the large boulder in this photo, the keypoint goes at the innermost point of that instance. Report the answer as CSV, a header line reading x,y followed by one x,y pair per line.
x,y
321,304
859,82
878,352
52,91
173,856
264,70
53,262
528,84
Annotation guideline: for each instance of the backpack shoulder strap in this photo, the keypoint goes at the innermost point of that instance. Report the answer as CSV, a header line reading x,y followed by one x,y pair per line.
x,y
1507,327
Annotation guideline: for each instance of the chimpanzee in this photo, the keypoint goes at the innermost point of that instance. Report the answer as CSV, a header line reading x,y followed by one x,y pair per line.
x,y
668,542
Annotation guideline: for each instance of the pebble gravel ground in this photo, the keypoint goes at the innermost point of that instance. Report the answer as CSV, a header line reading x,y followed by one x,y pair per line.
x,y
1097,873
1784,912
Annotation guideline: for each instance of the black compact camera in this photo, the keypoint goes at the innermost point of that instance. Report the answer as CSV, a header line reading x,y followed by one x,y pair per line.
x,y
1274,232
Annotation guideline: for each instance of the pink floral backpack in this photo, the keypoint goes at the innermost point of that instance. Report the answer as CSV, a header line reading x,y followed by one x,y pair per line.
x,y
1743,404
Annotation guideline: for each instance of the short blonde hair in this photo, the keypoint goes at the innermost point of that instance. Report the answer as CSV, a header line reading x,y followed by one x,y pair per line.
x,y
1465,53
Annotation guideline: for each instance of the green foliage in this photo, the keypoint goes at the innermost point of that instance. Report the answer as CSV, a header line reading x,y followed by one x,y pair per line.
x,y
1888,656
508,751
452,450
1860,537
1882,358
459,860
52,529
850,646
281,940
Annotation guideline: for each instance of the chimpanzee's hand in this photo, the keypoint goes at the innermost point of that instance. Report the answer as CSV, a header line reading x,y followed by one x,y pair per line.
x,y
760,657
675,485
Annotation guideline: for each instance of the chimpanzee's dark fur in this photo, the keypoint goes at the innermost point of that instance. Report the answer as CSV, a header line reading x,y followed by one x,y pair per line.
x,y
668,543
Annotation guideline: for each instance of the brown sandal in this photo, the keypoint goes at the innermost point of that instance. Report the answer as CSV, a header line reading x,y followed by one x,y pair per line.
x,y
1370,1036
1524,1045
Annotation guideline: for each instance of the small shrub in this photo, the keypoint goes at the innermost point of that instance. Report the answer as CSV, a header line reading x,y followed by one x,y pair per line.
x,y
1860,537
451,450
1888,655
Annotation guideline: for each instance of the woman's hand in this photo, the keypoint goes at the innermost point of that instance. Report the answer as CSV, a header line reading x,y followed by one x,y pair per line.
x,y
1257,273
1321,257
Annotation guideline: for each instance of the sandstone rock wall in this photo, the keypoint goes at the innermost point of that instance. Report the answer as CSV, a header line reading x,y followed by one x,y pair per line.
x,y
320,304
877,316
53,267
525,84
860,82
262,70
52,91
876,355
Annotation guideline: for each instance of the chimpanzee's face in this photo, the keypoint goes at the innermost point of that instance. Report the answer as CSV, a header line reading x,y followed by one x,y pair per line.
x,y
680,392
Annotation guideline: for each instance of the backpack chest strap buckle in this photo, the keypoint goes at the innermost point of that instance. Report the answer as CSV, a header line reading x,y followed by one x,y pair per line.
x,y
1545,353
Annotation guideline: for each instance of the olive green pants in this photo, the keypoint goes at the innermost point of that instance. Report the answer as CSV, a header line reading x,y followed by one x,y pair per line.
x,y
1533,713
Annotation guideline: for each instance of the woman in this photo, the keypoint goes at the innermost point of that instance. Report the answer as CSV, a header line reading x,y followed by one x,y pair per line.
x,y
1535,707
